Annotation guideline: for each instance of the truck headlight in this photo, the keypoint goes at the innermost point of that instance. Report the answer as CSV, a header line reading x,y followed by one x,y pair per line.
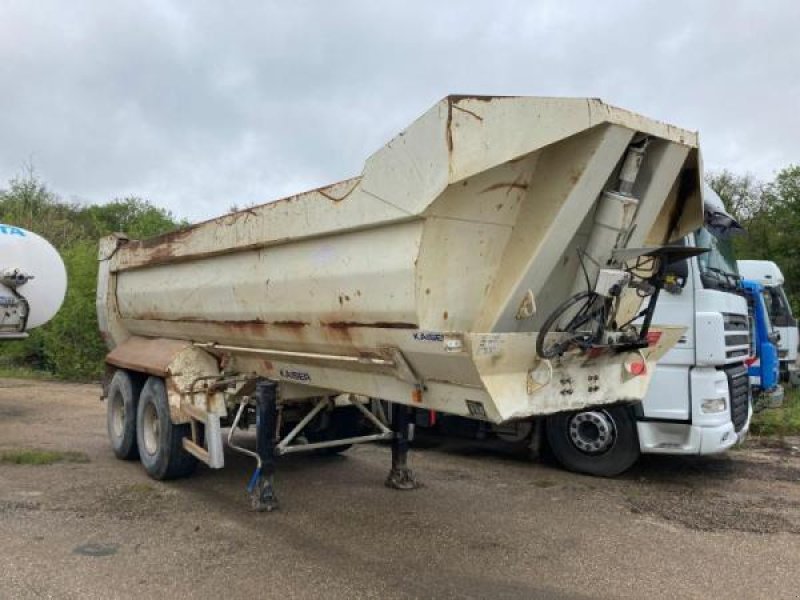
x,y
713,405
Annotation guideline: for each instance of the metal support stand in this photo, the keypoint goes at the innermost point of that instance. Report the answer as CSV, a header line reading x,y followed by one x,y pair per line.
x,y
401,477
263,492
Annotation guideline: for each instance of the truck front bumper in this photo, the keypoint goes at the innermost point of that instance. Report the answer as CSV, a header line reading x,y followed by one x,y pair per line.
x,y
657,437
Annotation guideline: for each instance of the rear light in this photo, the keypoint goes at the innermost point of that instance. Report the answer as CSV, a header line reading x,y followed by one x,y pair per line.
x,y
750,360
653,337
635,366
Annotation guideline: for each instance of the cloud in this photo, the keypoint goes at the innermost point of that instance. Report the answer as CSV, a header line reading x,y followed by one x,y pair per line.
x,y
197,106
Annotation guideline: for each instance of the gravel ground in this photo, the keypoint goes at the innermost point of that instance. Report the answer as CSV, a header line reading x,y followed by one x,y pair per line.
x,y
485,525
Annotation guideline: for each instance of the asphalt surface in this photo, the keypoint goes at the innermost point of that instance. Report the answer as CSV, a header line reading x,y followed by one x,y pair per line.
x,y
484,525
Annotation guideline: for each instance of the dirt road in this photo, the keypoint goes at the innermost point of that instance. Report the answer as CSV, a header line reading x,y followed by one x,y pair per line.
x,y
484,525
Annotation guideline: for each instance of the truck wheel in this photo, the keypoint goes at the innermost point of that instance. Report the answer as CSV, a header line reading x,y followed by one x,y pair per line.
x,y
600,442
160,440
123,396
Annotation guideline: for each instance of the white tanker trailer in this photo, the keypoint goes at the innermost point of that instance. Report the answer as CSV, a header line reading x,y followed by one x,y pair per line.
x,y
488,262
33,282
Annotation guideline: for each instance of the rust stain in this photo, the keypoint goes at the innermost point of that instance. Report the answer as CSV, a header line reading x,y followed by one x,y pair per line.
x,y
290,324
445,315
322,191
505,186
449,125
456,98
165,238
377,325
469,112
147,355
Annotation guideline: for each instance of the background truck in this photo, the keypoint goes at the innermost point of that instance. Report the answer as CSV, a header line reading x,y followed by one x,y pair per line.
x,y
489,262
699,399
769,275
762,365
33,282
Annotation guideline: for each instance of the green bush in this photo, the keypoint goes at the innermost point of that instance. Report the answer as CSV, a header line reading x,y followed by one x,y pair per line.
x,y
70,346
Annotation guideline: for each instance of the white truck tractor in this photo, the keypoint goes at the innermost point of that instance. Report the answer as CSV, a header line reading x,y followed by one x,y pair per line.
x,y
699,400
769,275
33,282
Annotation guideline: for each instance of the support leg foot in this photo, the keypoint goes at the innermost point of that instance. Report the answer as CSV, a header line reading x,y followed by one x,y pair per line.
x,y
401,477
263,497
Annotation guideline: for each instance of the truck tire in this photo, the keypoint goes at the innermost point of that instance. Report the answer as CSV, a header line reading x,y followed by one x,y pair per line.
x,y
160,440
601,442
123,397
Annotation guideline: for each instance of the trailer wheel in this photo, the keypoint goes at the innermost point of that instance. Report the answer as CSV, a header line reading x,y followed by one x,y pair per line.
x,y
160,440
123,396
600,442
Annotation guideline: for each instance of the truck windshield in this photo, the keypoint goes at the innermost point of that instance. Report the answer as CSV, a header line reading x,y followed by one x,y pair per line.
x,y
778,306
718,268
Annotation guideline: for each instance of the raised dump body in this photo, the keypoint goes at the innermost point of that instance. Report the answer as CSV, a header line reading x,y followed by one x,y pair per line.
x,y
424,280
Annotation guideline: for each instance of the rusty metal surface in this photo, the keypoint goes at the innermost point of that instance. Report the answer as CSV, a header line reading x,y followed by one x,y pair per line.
x,y
476,208
147,355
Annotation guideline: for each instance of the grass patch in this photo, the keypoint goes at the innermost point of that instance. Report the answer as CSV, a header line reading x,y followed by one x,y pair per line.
x,y
10,372
140,488
28,456
779,422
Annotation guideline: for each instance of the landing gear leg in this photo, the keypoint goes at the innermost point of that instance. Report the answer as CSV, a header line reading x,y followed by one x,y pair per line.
x,y
263,492
401,477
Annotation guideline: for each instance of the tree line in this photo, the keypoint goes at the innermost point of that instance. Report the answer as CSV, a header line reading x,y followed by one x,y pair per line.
x,y
770,213
70,347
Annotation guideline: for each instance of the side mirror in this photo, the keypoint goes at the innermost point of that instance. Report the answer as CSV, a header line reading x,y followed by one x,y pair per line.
x,y
676,276
679,269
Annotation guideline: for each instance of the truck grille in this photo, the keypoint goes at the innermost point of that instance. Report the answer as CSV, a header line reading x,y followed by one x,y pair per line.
x,y
739,390
735,322
737,336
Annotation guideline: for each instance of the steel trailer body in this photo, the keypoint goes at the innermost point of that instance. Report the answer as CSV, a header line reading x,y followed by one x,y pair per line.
x,y
424,280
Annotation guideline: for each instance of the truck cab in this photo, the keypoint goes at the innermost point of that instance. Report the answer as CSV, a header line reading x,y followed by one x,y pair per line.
x,y
699,401
762,366
769,275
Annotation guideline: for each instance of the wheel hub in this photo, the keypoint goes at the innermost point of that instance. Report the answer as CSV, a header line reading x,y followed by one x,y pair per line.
x,y
117,416
592,432
151,430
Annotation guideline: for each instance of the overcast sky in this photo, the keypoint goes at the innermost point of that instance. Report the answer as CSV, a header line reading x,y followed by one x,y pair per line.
x,y
198,105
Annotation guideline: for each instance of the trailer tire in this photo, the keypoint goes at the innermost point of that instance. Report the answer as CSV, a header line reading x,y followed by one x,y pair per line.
x,y
123,397
607,456
160,440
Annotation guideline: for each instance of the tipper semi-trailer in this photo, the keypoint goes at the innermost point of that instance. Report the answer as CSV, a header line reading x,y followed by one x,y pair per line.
x,y
489,262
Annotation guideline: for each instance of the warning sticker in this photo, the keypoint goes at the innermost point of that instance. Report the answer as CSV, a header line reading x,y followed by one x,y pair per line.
x,y
490,344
